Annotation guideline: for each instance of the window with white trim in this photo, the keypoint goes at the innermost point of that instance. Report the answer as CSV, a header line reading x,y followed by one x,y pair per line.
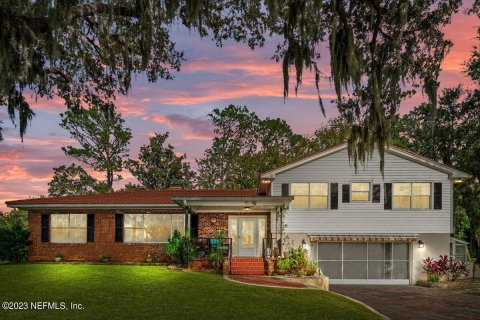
x,y
360,191
151,227
68,228
411,195
309,195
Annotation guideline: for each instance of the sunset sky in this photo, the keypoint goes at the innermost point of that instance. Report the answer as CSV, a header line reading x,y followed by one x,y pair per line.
x,y
210,78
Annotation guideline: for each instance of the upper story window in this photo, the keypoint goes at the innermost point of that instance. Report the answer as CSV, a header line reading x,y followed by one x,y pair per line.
x,y
151,227
68,228
414,195
360,191
309,195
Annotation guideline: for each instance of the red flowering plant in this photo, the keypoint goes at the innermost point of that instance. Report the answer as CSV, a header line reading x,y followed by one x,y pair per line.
x,y
452,268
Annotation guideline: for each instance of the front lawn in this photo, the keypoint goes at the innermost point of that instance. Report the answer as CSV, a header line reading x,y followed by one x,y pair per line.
x,y
152,292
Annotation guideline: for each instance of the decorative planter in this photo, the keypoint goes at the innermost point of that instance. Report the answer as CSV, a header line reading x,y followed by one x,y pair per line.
x,y
105,260
58,259
270,266
281,272
226,266
148,260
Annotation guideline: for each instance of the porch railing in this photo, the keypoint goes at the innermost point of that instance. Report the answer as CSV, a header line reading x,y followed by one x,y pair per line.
x,y
205,246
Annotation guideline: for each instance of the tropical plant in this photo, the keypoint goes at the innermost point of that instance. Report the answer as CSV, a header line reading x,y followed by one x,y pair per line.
x,y
14,236
217,251
180,248
444,266
433,277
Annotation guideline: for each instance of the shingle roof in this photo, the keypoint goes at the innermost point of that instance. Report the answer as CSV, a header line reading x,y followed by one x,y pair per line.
x,y
134,197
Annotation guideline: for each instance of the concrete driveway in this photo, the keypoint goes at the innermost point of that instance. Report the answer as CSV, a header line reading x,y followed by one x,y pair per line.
x,y
411,302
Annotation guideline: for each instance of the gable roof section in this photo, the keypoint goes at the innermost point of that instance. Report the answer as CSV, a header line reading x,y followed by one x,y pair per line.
x,y
135,198
403,153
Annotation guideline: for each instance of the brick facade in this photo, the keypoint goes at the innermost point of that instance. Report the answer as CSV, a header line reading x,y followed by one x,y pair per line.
x,y
210,223
104,236
104,240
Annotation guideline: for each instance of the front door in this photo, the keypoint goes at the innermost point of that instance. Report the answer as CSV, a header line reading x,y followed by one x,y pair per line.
x,y
247,237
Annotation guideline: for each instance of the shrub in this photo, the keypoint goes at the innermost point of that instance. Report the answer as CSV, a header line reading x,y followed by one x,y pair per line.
x,y
180,248
452,268
433,277
297,262
14,235
284,264
104,257
217,251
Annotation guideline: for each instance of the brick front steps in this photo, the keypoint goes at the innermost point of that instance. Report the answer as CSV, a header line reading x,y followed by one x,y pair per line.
x,y
247,266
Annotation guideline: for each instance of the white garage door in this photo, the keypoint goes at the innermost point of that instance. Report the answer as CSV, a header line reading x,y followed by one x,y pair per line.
x,y
362,262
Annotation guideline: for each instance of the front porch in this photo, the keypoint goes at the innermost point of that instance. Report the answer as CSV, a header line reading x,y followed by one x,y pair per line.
x,y
248,229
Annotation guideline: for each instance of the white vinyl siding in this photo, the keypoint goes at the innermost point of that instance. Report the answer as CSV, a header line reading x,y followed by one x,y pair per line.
x,y
68,228
365,217
151,228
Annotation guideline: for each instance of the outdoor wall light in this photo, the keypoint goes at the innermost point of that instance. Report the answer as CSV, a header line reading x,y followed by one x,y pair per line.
x,y
304,244
247,208
421,244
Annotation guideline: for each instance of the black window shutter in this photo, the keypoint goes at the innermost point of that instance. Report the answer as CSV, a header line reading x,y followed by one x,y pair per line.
x,y
334,196
45,231
90,227
345,193
388,197
437,196
118,227
376,193
285,191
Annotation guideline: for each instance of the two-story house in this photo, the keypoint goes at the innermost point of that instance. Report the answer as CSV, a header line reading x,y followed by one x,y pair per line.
x,y
361,227
365,227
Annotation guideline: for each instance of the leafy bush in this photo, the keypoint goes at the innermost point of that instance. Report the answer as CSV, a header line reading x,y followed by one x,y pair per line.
x,y
452,268
217,251
433,277
297,262
180,248
104,256
284,264
14,235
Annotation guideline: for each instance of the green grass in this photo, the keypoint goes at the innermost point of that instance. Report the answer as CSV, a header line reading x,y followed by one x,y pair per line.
x,y
153,292
473,292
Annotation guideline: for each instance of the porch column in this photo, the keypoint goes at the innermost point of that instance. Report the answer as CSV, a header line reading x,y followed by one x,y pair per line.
x,y
187,219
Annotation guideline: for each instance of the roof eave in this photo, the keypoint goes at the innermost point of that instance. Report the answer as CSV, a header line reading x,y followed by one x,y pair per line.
x,y
92,206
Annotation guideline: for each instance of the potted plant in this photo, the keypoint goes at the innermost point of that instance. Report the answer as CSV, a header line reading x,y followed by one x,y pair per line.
x,y
283,266
104,257
58,256
149,258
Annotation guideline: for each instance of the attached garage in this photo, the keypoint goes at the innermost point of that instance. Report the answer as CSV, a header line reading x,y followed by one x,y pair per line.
x,y
364,262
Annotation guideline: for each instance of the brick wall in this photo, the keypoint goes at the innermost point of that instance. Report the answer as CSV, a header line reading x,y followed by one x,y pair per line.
x,y
210,223
104,240
104,236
